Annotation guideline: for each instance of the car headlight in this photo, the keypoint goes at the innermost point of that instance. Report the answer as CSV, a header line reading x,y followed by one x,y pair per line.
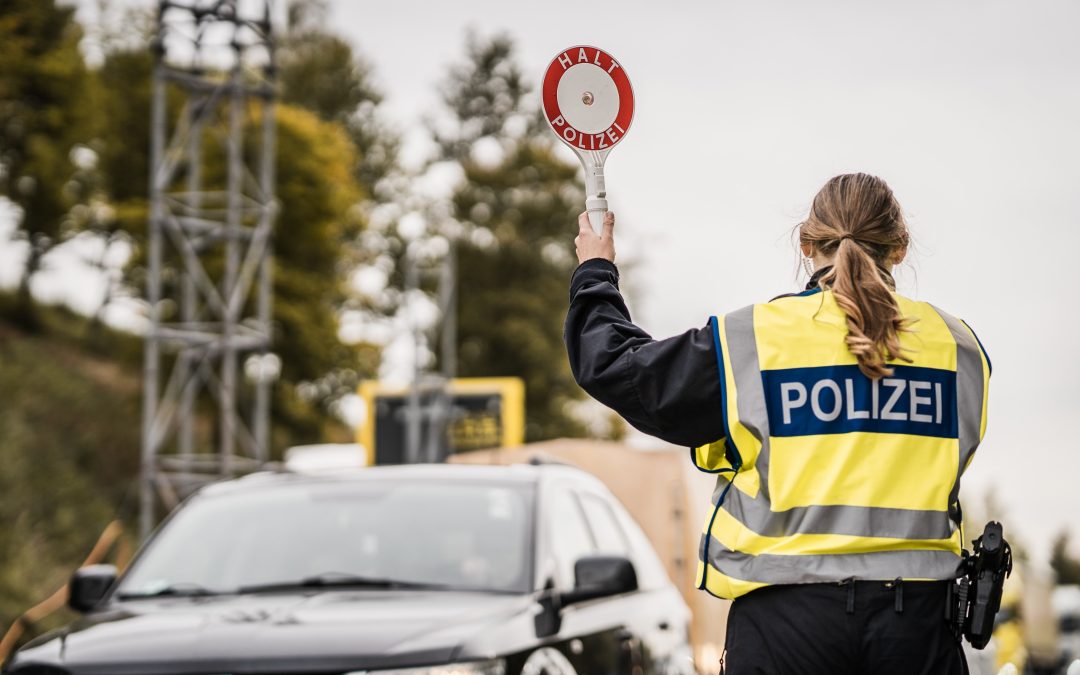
x,y
491,667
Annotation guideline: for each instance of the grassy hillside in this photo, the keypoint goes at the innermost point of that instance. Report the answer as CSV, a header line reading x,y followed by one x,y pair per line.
x,y
69,442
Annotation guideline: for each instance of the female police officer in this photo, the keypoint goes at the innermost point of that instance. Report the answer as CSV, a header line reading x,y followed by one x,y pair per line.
x,y
838,421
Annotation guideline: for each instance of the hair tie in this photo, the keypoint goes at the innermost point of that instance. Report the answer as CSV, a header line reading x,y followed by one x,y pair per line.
x,y
846,235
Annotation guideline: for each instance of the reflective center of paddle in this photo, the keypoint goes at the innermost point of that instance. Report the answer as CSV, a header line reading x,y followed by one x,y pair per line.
x,y
594,110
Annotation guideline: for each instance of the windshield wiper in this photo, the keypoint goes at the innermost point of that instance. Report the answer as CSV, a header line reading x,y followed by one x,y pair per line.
x,y
340,580
180,589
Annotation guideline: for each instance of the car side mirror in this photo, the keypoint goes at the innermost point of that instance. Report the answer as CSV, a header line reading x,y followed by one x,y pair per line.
x,y
599,576
89,585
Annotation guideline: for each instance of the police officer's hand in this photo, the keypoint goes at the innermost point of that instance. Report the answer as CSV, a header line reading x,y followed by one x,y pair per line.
x,y
592,245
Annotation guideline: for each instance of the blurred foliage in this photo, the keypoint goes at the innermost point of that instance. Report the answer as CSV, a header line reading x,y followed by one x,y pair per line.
x,y
1064,564
518,204
123,143
314,228
43,120
321,72
483,93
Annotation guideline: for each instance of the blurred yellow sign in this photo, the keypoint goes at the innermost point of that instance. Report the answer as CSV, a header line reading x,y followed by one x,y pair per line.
x,y
478,413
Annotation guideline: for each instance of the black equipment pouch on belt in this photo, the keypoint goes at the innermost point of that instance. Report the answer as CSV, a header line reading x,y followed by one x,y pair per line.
x,y
975,598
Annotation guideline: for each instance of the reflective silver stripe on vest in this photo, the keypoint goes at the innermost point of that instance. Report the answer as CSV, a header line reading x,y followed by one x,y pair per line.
x,y
860,521
756,512
969,393
749,387
802,569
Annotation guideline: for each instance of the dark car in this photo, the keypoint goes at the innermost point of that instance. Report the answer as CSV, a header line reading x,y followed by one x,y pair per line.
x,y
407,570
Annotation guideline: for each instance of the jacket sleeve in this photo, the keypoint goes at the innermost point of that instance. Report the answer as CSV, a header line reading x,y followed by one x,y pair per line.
x,y
665,388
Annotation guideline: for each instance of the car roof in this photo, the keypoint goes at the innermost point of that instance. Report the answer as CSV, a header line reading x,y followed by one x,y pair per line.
x,y
513,473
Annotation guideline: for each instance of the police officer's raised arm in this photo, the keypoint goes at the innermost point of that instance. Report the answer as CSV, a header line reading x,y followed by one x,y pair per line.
x,y
665,388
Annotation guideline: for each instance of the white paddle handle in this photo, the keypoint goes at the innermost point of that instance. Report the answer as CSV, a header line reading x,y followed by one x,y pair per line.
x,y
596,207
595,196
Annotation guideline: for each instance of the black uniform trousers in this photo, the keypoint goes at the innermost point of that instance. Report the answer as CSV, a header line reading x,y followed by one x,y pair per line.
x,y
849,628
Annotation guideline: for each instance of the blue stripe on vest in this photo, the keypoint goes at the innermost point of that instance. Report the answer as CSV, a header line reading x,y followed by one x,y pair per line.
x,y
840,399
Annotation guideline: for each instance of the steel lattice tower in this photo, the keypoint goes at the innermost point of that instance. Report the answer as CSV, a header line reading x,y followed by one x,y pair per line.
x,y
209,283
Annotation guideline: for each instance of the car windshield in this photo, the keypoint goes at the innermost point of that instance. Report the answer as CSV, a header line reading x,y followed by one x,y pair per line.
x,y
367,533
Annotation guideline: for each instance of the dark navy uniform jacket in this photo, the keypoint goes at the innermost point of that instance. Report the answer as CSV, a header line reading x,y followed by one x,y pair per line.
x,y
665,388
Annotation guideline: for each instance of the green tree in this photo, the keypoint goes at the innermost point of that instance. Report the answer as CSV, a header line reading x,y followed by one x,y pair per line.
x,y
316,224
1065,565
322,72
124,84
44,117
517,204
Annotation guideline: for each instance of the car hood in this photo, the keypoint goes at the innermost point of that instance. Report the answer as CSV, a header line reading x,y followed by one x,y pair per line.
x,y
264,633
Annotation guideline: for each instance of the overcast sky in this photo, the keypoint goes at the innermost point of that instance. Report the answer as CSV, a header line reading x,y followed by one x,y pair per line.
x,y
970,109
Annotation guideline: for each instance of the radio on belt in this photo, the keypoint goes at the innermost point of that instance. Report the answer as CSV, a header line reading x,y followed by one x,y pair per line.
x,y
589,104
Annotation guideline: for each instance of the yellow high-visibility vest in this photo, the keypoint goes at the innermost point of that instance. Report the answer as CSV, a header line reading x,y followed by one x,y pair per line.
x,y
824,474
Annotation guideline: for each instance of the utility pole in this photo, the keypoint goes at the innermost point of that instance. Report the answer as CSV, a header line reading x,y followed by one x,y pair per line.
x,y
414,406
209,259
448,310
429,408
442,405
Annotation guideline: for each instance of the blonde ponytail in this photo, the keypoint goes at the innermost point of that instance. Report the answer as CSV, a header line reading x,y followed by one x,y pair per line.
x,y
856,219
